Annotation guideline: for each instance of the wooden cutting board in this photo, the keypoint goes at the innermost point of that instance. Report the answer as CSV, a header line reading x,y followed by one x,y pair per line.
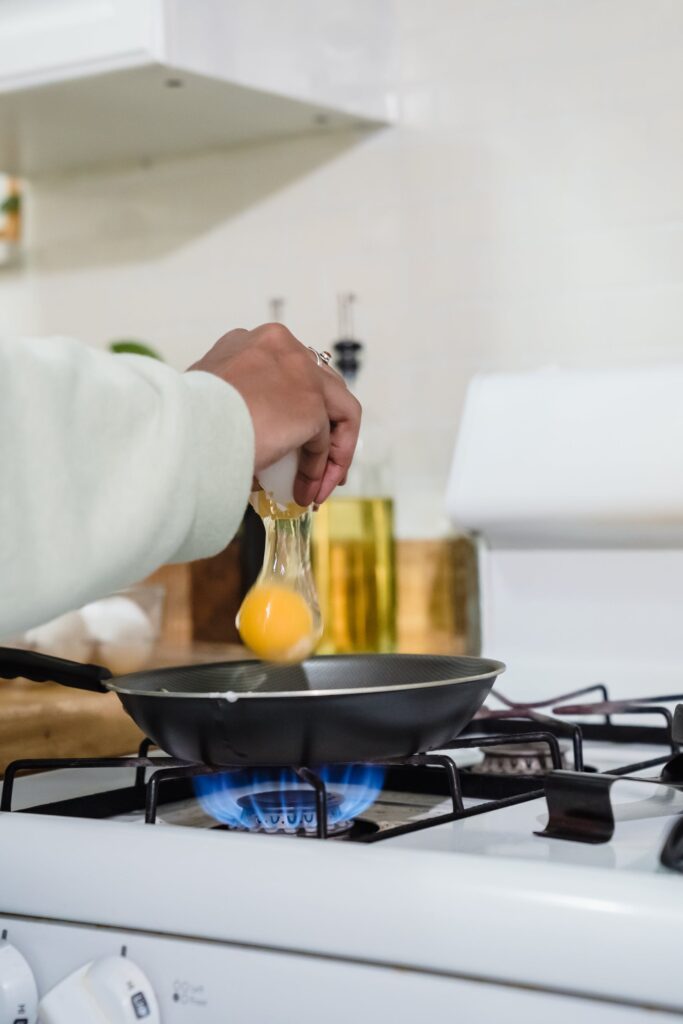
x,y
47,720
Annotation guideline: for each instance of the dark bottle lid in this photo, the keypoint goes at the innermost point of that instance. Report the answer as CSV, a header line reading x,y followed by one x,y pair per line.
x,y
347,357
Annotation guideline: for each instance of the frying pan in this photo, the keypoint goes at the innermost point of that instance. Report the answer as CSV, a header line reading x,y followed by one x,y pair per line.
x,y
326,710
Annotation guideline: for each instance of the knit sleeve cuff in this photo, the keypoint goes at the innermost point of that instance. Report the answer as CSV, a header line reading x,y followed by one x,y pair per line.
x,y
221,460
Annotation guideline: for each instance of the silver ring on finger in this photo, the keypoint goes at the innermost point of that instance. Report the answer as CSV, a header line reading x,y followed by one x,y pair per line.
x,y
321,358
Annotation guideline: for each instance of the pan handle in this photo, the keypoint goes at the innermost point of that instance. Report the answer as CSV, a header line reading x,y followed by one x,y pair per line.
x,y
41,668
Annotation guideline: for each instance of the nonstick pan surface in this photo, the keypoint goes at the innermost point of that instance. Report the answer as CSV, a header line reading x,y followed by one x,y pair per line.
x,y
325,710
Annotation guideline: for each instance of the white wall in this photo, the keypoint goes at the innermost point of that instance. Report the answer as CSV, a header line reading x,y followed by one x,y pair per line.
x,y
527,209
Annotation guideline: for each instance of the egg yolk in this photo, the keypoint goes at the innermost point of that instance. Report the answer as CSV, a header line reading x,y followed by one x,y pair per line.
x,y
276,623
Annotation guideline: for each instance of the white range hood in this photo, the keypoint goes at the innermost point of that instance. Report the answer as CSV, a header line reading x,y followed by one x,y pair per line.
x,y
92,82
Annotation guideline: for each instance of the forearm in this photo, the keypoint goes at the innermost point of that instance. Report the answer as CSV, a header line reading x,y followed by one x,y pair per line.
x,y
111,466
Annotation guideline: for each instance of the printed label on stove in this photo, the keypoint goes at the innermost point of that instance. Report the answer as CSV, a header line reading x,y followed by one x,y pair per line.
x,y
140,1005
187,994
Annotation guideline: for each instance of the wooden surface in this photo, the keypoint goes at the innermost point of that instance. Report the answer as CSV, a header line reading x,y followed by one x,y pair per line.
x,y
434,585
216,595
47,720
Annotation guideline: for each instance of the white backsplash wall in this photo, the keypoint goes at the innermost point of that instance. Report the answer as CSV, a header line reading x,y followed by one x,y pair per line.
x,y
527,209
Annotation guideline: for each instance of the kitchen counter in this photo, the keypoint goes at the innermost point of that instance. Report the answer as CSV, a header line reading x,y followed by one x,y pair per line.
x,y
47,720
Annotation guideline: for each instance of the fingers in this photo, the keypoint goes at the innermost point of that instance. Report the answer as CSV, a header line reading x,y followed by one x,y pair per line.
x,y
345,415
331,479
324,365
313,461
291,400
338,462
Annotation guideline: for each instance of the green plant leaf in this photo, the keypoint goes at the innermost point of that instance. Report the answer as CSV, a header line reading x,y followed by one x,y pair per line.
x,y
11,205
136,348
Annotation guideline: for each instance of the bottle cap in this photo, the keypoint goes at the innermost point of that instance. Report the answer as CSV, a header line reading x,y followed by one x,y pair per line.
x,y
347,357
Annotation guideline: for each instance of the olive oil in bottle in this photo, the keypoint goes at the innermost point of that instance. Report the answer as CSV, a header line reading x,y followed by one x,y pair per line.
x,y
353,535
353,560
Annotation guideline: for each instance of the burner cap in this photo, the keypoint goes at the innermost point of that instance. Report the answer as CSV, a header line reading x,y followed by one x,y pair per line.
x,y
518,759
291,811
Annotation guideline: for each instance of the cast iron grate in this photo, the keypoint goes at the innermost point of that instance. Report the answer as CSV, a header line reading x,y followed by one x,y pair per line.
x,y
427,772
431,772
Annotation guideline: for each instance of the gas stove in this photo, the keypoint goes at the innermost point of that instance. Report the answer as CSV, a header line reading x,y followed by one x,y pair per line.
x,y
512,753
457,843
530,870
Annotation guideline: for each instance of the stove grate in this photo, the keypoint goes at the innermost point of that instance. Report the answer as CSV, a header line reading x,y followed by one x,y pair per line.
x,y
580,805
554,714
150,773
579,801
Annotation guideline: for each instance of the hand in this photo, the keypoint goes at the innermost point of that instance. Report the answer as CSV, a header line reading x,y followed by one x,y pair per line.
x,y
294,404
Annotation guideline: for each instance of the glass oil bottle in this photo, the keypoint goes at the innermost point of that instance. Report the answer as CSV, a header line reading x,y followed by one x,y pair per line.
x,y
353,532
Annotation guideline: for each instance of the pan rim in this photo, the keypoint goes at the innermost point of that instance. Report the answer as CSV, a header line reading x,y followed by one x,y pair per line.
x,y
495,669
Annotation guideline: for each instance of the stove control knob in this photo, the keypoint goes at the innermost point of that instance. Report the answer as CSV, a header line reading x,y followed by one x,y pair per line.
x,y
18,993
112,989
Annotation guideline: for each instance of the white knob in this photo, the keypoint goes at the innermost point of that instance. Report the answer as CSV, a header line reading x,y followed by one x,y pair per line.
x,y
112,989
18,993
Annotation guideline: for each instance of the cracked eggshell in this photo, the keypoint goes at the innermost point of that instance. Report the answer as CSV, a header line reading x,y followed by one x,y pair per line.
x,y
278,480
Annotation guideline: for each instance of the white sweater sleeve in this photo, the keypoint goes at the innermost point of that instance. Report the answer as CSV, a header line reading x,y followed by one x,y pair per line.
x,y
110,466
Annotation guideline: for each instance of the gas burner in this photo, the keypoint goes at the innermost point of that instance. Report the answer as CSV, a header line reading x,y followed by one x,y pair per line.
x,y
520,751
358,830
518,759
290,800
292,812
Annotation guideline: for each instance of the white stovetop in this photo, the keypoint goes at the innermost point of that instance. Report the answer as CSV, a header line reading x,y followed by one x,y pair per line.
x,y
481,897
643,818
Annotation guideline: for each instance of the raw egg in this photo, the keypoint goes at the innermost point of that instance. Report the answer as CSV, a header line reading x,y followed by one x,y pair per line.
x,y
276,623
266,506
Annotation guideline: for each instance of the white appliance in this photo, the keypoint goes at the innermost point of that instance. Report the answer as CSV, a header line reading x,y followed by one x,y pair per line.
x,y
573,482
475,918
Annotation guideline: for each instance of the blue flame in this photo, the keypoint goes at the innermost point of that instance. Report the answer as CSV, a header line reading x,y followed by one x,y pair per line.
x,y
278,800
